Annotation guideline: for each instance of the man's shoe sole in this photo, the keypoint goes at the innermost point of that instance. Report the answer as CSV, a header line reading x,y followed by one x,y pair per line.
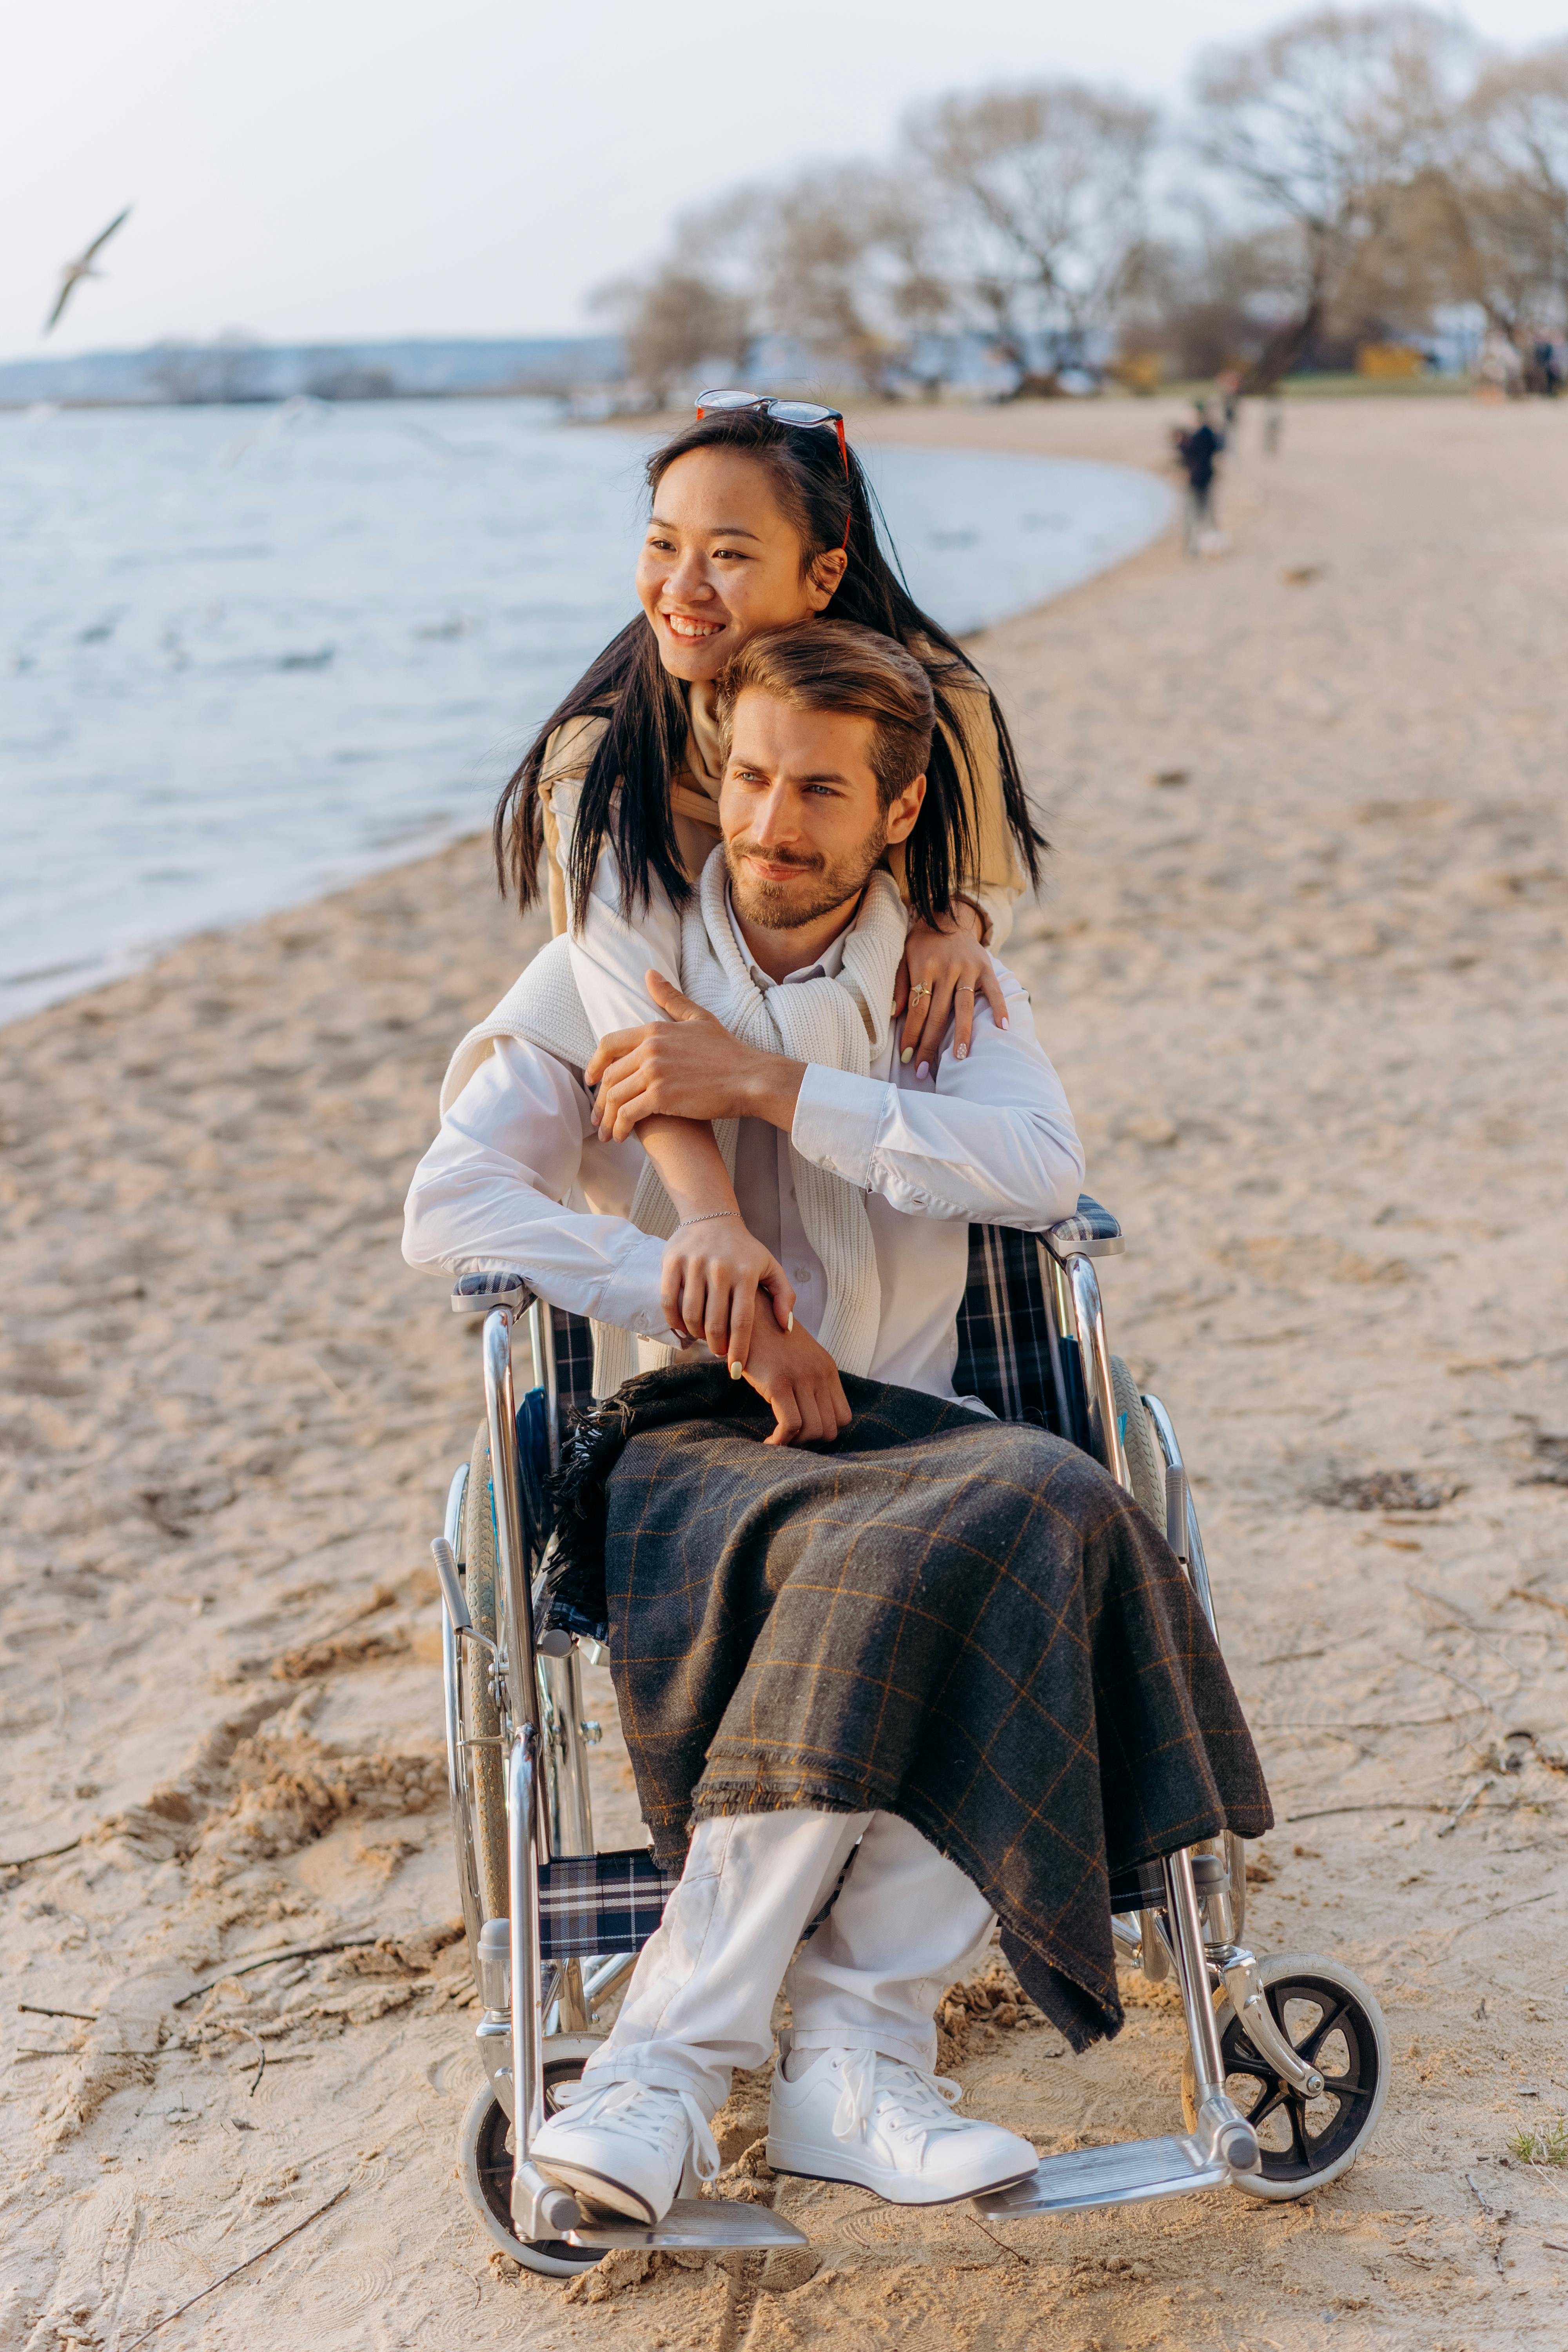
x,y
874,2176
597,2189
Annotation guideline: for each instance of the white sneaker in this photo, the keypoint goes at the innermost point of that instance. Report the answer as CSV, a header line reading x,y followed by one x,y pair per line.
x,y
624,2146
851,2115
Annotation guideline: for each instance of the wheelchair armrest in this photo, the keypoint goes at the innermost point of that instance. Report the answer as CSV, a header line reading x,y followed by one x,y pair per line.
x,y
1090,1232
475,1294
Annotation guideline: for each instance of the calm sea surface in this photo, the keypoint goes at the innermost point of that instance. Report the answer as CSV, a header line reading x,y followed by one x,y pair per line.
x,y
248,655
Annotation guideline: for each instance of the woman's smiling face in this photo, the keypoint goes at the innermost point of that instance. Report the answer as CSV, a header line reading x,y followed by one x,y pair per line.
x,y
720,560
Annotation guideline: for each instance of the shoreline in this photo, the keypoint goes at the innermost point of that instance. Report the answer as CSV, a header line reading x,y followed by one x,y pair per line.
x,y
176,784
1301,962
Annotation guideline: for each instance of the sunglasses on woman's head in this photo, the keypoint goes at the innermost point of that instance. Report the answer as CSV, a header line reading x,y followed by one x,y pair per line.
x,y
803,413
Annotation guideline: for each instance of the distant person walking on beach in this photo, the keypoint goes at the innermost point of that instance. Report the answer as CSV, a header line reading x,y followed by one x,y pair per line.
x,y
1228,388
1273,420
1198,451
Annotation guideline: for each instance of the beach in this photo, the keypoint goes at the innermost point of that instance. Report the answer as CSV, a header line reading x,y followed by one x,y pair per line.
x,y
1300,961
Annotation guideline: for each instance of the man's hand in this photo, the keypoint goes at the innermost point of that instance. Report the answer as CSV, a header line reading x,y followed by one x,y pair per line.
x,y
687,1066
800,1380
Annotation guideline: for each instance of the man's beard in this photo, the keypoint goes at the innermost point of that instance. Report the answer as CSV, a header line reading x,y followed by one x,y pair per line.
x,y
784,907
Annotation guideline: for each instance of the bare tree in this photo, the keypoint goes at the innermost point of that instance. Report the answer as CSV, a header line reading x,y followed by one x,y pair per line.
x,y
1323,125
844,265
1208,299
1047,217
675,322
1507,197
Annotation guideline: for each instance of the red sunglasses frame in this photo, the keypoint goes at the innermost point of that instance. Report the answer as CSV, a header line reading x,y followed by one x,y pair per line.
x,y
763,405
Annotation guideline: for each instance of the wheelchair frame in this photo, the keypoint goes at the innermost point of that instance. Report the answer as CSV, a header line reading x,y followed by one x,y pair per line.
x,y
1179,1916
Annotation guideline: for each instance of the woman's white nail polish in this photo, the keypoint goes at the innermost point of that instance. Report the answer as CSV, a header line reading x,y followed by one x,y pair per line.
x,y
1001,1024
737,1371
790,1325
962,1054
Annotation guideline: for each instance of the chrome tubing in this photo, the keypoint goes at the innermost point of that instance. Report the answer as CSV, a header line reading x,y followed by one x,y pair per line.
x,y
1088,1318
1195,1564
1192,1971
599,1978
457,1777
527,2022
541,1342
1059,1324
572,1811
1222,2131
1239,1968
521,1665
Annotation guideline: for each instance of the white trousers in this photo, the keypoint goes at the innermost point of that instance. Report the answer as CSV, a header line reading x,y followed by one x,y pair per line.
x,y
905,1925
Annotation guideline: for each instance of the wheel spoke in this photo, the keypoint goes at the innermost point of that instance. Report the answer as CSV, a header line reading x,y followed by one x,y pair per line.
x,y
1325,2026
1346,2087
1245,2059
1266,2107
1300,2144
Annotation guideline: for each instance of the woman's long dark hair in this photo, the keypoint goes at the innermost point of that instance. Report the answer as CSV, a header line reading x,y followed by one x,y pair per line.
x,y
644,745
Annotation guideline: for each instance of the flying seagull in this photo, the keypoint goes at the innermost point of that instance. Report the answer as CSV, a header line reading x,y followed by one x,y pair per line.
x,y
74,271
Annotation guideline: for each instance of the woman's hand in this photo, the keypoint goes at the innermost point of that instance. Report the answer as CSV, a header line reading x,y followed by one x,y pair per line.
x,y
942,970
711,1274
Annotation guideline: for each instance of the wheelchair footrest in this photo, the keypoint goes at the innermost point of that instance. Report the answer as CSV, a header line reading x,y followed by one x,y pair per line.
x,y
692,2222
1130,2174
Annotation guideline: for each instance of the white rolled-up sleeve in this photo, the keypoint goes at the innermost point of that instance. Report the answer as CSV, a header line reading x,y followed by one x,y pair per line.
x,y
492,1192
991,1139
613,953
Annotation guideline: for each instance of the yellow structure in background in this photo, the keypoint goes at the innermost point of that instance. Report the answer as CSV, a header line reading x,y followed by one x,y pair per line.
x,y
1388,360
1140,372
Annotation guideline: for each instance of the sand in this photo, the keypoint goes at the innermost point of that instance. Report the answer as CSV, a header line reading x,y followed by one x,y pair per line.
x,y
1307,992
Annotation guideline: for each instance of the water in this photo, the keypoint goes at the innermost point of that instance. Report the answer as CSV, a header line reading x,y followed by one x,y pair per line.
x,y
246,655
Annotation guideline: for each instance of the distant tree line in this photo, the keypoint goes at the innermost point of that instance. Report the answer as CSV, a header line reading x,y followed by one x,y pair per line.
x,y
1351,177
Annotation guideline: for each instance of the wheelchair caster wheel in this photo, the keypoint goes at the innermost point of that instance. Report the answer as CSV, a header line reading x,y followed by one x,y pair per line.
x,y
1328,2013
484,2158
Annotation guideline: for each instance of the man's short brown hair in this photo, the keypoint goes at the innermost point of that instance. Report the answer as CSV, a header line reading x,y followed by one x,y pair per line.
x,y
834,665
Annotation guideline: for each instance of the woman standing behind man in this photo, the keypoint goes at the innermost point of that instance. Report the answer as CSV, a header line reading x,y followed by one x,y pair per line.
x,y
761,519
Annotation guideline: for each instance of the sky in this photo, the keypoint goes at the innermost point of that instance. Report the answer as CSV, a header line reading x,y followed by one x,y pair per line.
x,y
326,170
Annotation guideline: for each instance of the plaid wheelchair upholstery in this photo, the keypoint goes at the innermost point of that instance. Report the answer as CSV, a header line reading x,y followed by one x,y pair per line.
x,y
598,1903
1003,1328
574,1359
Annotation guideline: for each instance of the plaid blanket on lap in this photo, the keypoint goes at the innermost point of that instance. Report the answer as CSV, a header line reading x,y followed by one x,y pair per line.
x,y
961,1621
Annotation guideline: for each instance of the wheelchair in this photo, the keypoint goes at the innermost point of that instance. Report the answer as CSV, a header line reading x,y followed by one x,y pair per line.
x,y
1286,2065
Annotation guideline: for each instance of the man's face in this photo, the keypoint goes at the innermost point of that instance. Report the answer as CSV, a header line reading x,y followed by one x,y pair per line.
x,y
802,817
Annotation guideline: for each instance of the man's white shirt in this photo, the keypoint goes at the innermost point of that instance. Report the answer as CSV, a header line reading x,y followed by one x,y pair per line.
x,y
518,1177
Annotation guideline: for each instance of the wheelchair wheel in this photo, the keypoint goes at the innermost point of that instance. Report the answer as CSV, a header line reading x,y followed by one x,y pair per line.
x,y
1328,2013
1145,1463
484,2160
481,1720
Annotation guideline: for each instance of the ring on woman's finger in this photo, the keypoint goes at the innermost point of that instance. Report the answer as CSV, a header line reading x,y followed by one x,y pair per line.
x,y
964,988
922,988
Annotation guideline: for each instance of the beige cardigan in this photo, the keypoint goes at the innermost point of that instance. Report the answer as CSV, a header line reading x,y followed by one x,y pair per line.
x,y
999,879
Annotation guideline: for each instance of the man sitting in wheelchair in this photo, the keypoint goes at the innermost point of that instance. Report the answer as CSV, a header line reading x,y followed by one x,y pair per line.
x,y
943,1665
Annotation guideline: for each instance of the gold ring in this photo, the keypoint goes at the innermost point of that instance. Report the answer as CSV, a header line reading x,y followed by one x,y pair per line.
x,y
922,988
964,988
